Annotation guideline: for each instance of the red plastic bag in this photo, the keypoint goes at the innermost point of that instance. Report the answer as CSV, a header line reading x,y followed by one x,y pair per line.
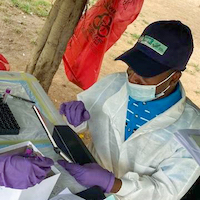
x,y
96,32
4,65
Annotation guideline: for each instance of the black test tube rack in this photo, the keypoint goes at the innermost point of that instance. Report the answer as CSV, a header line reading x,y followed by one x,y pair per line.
x,y
8,123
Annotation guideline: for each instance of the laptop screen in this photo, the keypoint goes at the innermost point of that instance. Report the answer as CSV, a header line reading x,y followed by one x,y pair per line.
x,y
65,141
49,129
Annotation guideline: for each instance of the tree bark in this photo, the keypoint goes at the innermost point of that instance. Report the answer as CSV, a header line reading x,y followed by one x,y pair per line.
x,y
52,41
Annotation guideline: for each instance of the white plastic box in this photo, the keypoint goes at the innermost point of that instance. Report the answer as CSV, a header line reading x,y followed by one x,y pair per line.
x,y
40,191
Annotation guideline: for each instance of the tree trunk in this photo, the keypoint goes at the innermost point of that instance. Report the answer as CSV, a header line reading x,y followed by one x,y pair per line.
x,y
52,41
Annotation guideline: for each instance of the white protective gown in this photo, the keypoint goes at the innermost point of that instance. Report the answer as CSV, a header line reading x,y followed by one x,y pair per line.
x,y
151,163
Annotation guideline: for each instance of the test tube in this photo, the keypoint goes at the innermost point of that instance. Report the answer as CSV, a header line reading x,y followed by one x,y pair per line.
x,y
5,95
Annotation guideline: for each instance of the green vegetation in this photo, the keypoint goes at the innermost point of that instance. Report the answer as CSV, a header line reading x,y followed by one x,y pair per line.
x,y
38,7
135,36
125,34
113,56
3,9
33,42
197,92
196,66
7,20
130,42
92,2
141,15
18,30
190,72
145,22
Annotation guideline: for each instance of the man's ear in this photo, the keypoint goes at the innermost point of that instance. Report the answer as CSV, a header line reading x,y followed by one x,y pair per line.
x,y
175,78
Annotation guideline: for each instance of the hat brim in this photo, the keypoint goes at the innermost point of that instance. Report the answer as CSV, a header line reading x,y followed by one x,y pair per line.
x,y
142,64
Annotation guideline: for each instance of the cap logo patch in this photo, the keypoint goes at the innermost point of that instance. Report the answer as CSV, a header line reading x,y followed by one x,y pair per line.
x,y
153,44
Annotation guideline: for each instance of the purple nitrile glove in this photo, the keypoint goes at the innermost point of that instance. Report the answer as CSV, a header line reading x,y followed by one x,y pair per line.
x,y
75,112
19,171
90,175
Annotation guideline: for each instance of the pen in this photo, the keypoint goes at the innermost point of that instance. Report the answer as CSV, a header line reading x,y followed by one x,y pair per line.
x,y
21,98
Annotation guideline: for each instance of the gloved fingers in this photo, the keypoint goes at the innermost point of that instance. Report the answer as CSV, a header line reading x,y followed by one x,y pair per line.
x,y
40,172
33,179
86,115
92,166
75,112
62,163
47,169
65,110
3,157
62,109
69,111
110,183
81,114
41,161
70,167
75,170
20,172
37,174
17,164
80,109
68,116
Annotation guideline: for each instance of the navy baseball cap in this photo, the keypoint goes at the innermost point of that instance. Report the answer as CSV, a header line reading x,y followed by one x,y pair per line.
x,y
163,45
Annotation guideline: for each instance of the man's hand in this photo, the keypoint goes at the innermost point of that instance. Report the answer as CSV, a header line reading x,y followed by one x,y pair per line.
x,y
90,175
75,112
20,171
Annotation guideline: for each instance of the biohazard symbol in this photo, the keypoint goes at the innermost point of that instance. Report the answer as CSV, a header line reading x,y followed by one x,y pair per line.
x,y
126,3
102,24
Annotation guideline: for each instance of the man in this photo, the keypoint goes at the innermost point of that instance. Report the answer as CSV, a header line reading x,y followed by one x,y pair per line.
x,y
133,117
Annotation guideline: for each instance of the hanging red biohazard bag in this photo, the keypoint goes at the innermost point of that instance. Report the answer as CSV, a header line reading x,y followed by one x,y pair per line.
x,y
98,29
4,65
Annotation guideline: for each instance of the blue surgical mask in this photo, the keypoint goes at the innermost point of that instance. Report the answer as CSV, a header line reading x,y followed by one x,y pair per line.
x,y
145,92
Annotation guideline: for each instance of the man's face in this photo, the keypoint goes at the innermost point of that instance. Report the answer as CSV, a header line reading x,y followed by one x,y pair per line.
x,y
137,79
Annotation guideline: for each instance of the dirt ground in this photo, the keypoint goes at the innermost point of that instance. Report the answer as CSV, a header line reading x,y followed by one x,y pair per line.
x,y
18,33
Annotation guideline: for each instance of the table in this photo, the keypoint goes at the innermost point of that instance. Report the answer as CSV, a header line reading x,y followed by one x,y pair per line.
x,y
27,86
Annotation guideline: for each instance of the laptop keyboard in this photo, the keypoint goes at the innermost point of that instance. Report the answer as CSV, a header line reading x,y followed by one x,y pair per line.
x,y
8,123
